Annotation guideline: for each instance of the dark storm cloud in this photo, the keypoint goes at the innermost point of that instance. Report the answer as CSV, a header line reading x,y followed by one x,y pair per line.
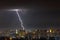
x,y
32,19
43,14
39,19
8,20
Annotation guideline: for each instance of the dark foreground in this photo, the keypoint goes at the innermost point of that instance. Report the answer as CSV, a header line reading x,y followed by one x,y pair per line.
x,y
41,38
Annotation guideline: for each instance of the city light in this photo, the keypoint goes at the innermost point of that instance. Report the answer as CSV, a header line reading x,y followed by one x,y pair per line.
x,y
50,30
47,31
22,36
16,31
26,32
33,32
10,38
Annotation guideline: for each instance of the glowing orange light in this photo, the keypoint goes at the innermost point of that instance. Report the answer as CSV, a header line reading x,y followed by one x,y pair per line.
x,y
10,38
50,30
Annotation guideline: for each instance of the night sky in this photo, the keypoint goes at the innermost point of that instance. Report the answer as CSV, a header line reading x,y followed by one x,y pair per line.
x,y
41,14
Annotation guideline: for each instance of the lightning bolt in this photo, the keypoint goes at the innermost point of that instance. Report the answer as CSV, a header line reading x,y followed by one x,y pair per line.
x,y
20,19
